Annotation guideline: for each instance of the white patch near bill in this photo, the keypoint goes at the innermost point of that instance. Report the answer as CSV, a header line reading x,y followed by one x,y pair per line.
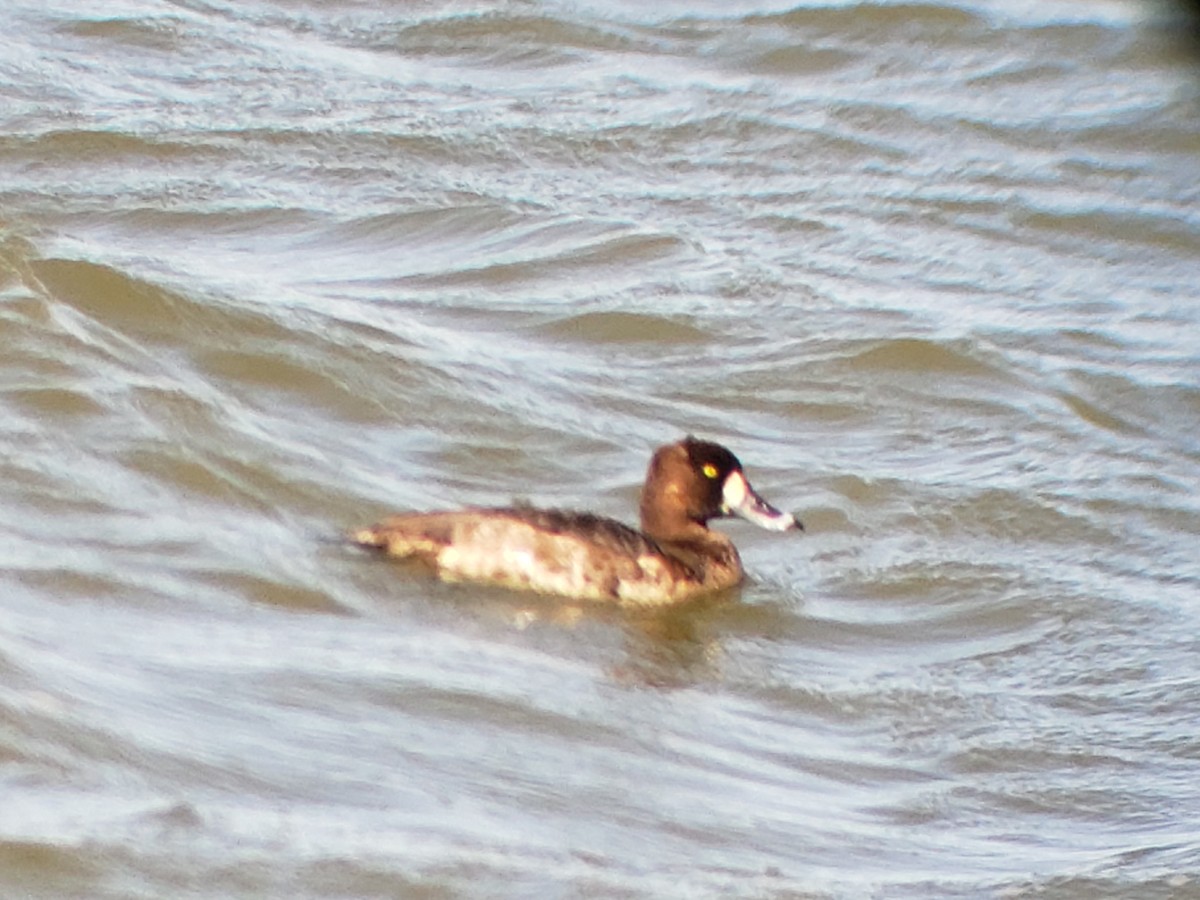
x,y
734,491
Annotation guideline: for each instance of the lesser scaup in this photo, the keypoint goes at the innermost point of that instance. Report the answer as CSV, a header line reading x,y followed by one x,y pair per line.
x,y
673,558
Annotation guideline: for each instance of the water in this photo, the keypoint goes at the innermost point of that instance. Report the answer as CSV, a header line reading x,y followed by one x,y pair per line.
x,y
269,270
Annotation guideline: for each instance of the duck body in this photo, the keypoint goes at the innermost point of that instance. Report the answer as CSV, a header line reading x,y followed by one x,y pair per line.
x,y
673,558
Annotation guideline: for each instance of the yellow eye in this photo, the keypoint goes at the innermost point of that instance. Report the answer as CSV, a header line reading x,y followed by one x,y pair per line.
x,y
709,470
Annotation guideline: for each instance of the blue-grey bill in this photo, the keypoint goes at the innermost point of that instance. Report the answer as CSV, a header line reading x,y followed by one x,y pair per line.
x,y
742,500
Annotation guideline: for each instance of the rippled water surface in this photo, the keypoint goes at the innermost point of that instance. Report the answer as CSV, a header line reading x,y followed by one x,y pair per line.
x,y
271,269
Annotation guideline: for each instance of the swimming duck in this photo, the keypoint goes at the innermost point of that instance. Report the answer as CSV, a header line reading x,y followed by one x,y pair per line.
x,y
673,558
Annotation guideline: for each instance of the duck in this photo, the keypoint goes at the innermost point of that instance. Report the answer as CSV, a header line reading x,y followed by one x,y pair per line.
x,y
674,557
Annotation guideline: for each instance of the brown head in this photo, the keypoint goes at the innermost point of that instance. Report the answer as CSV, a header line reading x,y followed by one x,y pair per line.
x,y
693,481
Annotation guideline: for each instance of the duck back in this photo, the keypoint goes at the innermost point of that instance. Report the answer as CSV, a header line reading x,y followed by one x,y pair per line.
x,y
549,551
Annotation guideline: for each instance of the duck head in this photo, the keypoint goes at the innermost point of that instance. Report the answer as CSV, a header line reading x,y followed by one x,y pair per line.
x,y
693,481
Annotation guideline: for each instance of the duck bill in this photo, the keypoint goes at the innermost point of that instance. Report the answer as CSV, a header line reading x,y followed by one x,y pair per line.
x,y
739,499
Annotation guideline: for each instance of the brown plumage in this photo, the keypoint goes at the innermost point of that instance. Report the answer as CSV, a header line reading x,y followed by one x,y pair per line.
x,y
673,558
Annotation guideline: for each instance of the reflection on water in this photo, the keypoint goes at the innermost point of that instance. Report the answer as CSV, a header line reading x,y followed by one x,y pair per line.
x,y
272,270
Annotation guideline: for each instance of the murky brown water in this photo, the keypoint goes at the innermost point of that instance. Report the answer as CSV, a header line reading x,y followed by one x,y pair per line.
x,y
271,269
